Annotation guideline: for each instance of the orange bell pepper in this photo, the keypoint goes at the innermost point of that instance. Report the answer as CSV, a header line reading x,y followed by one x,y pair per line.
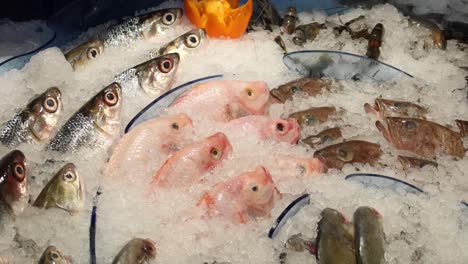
x,y
220,18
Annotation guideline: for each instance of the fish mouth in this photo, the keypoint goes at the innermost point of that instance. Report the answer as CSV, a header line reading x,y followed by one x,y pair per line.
x,y
276,97
322,159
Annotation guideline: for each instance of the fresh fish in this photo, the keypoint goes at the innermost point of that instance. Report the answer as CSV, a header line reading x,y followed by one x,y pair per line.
x,y
161,136
189,164
421,137
335,240
369,236
37,122
65,191
267,128
265,15
291,165
410,162
326,136
153,77
384,108
375,41
353,151
307,32
289,20
222,100
241,198
463,126
143,27
183,45
314,115
438,36
300,243
136,251
53,256
355,33
302,87
95,124
14,181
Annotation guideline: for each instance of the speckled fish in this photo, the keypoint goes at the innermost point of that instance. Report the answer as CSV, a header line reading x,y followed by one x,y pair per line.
x,y
314,115
143,27
353,151
242,198
65,191
307,32
326,136
335,240
375,41
222,100
267,128
95,124
421,137
190,164
153,77
37,122
410,162
303,87
184,44
136,251
463,126
53,256
369,236
384,108
161,136
14,181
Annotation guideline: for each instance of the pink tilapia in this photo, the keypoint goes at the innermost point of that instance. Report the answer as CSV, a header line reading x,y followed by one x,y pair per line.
x,y
222,100
189,164
267,128
241,198
291,165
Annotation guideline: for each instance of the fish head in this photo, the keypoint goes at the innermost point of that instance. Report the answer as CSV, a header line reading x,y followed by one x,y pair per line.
x,y
185,43
159,21
105,109
156,75
402,131
85,53
258,191
137,250
148,249
45,111
337,155
333,216
384,108
53,256
13,179
301,87
217,148
287,130
252,96
313,116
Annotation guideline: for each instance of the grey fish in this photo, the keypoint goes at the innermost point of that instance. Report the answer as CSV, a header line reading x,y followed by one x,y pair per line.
x,y
184,44
95,124
136,251
146,26
37,122
153,76
53,256
369,235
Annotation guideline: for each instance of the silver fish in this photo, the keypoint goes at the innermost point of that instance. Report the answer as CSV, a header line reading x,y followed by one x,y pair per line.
x,y
183,44
97,123
136,251
37,122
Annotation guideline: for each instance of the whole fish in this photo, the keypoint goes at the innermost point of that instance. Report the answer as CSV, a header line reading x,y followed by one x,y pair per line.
x,y
326,136
243,197
143,27
183,45
65,191
375,41
152,77
353,151
53,256
335,239
289,20
307,32
303,87
384,108
14,181
189,164
95,124
314,115
222,100
291,165
410,162
369,236
157,136
136,251
463,126
421,137
267,128
37,122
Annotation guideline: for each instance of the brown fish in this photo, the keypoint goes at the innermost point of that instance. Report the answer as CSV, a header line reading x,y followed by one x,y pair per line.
x,y
384,108
353,151
53,256
410,162
303,86
327,135
463,126
13,181
314,115
375,41
421,137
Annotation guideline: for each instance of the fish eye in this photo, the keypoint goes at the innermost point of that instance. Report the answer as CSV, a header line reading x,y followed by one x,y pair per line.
x,y
254,188
110,98
192,41
280,127
344,155
249,92
92,53
327,138
410,125
165,66
54,255
19,171
310,120
215,153
168,19
397,104
50,105
295,89
175,126
148,248
69,176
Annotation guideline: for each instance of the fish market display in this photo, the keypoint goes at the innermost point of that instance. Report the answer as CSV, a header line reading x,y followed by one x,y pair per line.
x,y
137,250
14,181
37,122
369,235
300,87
